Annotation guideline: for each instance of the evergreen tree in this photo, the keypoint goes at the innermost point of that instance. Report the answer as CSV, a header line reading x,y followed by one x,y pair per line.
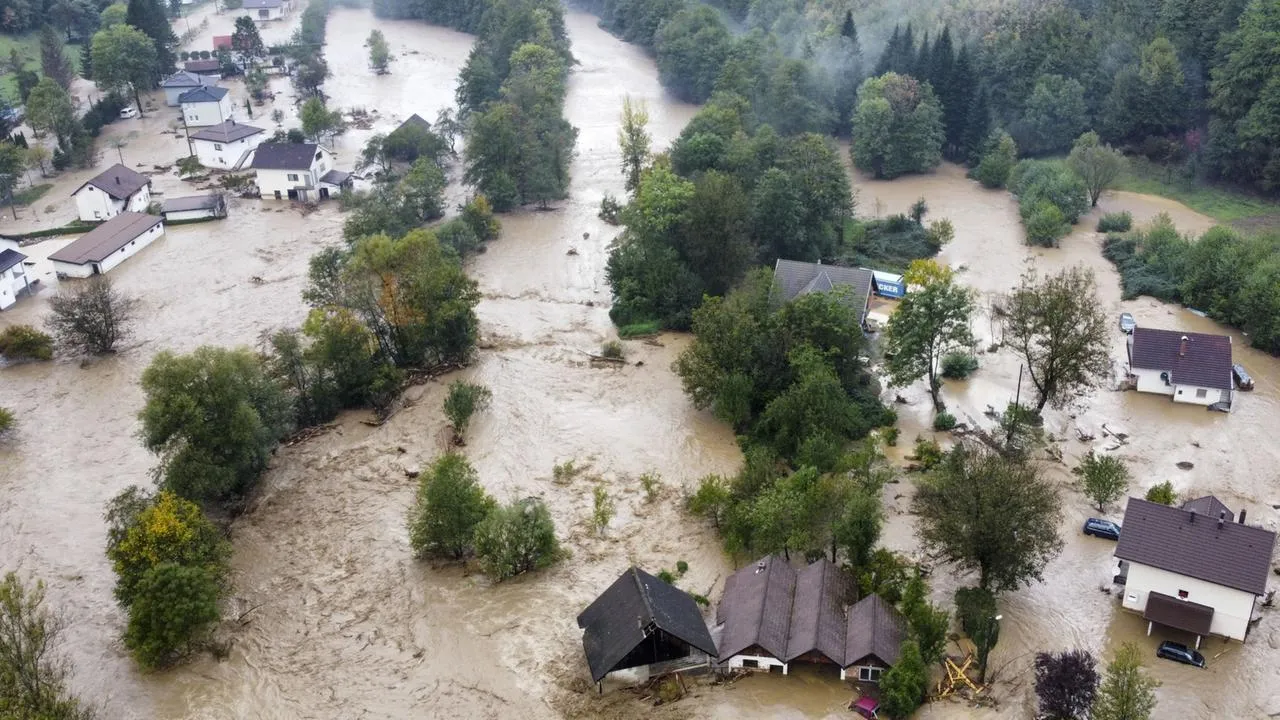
x,y
958,95
53,60
977,126
922,65
849,29
86,60
149,17
887,58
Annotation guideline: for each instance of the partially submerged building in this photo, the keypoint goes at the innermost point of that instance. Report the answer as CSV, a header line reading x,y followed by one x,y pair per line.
x,y
297,171
794,278
13,273
194,207
106,246
642,622
225,145
1189,367
111,192
1193,568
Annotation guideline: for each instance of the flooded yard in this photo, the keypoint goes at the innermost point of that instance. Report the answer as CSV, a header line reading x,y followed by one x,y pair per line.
x,y
331,616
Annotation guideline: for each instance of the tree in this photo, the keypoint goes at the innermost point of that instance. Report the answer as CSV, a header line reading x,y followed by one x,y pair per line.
x,y
1097,165
7,421
124,59
174,609
114,14
33,675
1056,326
1148,98
902,687
1066,684
857,529
1127,693
463,400
423,189
318,120
998,159
246,42
516,538
634,140
53,58
49,109
144,531
449,506
927,624
929,323
897,127
1106,479
691,47
92,319
213,417
379,52
1243,132
310,74
149,17
1162,493
994,514
38,156
978,615
1056,112
23,342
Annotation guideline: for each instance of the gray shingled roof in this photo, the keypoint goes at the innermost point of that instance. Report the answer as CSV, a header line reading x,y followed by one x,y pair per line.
x,y
414,120
180,79
817,613
1234,555
755,608
202,66
335,177
98,244
875,629
204,93
1205,363
260,4
117,181
1209,506
284,156
630,610
189,202
9,258
795,278
226,132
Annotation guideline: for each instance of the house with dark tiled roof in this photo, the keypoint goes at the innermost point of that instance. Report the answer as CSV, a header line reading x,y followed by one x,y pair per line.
x,y
793,278
106,246
772,615
643,623
297,171
180,82
1193,568
224,145
206,105
111,192
1189,367
13,273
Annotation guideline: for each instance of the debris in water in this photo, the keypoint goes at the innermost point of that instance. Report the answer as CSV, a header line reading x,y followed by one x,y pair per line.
x,y
1184,465
899,399
572,251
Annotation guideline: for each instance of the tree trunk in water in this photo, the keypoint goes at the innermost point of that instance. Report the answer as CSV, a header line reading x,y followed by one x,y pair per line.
x,y
137,98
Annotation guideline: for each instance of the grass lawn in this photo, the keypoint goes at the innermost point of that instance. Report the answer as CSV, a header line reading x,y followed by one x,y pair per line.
x,y
28,46
29,195
1220,203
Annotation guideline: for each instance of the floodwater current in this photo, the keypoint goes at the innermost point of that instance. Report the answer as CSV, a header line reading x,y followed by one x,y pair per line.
x,y
331,616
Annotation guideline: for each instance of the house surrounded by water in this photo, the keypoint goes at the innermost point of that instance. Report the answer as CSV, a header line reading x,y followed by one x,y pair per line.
x,y
13,273
297,171
1195,568
794,278
106,246
1189,367
111,192
225,145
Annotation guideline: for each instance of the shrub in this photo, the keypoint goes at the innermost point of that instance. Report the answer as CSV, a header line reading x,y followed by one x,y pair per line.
x,y
23,342
944,421
92,319
602,509
33,671
173,610
998,159
639,329
652,484
610,209
612,349
711,500
7,421
449,506
927,453
1162,493
667,576
565,472
1045,225
958,365
890,436
1115,222
463,401
903,686
682,567
516,538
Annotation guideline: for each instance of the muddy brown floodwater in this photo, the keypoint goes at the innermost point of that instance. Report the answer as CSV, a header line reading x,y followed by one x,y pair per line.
x,y
332,618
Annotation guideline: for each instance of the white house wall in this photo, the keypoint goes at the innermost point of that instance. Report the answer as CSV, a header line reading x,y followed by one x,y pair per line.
x,y
132,248
12,281
212,157
1231,608
1149,382
93,205
203,114
1191,394
189,214
139,201
764,662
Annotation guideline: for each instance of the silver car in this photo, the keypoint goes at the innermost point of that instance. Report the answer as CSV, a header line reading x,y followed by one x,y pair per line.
x,y
1127,323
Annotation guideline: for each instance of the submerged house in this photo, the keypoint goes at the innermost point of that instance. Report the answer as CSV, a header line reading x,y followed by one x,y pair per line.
x,y
113,191
1189,367
297,171
180,82
772,615
642,622
1193,568
106,246
13,273
794,278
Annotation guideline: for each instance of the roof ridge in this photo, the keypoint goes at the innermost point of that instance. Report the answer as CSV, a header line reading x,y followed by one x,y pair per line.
x,y
644,592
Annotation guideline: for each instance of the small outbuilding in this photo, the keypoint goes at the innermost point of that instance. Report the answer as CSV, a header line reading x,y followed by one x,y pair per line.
x,y
1189,367
13,273
264,10
210,70
642,622
794,278
111,192
1193,568
205,106
194,207
225,145
106,246
180,82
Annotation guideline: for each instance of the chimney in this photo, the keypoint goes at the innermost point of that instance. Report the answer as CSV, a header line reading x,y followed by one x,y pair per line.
x,y
1222,518
760,567
1242,512
1193,516
1182,349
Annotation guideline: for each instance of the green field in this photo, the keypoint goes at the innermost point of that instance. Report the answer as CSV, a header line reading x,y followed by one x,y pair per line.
x,y
28,46
1220,203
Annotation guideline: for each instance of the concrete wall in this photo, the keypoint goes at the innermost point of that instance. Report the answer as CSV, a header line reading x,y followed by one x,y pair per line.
x,y
117,257
224,155
1149,381
764,662
93,205
1231,608
12,281
202,114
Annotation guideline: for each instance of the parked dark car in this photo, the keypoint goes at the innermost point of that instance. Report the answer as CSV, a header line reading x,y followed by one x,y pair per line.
x,y
1102,529
1178,652
1127,323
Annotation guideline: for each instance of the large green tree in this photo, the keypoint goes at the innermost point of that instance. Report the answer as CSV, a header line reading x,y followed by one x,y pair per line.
x,y
49,109
54,63
634,140
148,16
516,538
1127,692
1245,99
33,673
175,608
246,41
124,59
929,323
897,126
144,531
691,47
1056,113
449,506
1149,98
1097,164
990,513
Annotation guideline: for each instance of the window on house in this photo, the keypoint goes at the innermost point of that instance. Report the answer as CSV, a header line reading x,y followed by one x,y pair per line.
x,y
1201,392
750,663
216,146
869,674
1183,594
97,214
293,177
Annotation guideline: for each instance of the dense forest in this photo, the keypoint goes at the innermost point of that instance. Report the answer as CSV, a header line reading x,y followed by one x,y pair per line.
x,y
1188,83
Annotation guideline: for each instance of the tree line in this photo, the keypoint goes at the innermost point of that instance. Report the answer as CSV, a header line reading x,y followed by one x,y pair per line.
x,y
510,95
